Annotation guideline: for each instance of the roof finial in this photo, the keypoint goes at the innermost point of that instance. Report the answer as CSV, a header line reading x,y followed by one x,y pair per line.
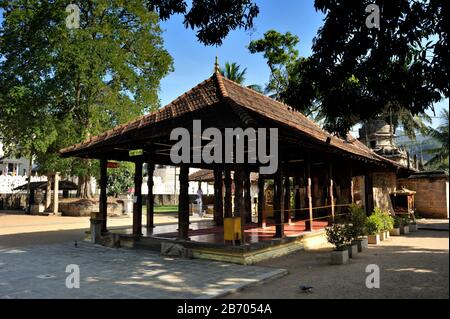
x,y
216,65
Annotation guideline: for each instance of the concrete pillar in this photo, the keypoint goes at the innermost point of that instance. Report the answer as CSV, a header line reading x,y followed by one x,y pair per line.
x,y
55,193
227,198
48,192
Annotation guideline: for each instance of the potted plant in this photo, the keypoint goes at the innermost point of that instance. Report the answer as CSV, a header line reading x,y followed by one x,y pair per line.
x,y
395,231
413,224
373,228
404,228
357,220
336,235
384,221
350,234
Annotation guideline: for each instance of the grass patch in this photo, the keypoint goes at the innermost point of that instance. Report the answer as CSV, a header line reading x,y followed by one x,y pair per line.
x,y
163,208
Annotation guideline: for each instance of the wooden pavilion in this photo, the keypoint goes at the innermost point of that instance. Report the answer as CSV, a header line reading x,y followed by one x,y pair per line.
x,y
314,167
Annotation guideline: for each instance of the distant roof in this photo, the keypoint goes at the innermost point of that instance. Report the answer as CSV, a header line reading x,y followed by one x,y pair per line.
x,y
63,185
206,175
242,100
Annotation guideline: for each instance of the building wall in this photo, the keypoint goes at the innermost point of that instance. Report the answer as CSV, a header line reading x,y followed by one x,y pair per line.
x,y
432,195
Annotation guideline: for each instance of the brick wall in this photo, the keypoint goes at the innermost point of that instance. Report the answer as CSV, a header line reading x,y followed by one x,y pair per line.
x,y
432,195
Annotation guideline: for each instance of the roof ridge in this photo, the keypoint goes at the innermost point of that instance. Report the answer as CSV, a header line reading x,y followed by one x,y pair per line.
x,y
219,77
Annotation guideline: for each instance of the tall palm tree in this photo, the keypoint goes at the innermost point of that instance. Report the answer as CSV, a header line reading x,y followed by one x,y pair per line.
x,y
440,158
232,71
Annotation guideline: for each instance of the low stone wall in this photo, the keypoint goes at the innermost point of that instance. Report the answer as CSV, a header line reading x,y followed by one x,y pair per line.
x,y
84,207
432,193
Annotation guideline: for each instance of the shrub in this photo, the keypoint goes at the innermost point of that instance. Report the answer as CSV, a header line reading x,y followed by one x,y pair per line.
x,y
374,224
386,220
357,220
397,221
337,235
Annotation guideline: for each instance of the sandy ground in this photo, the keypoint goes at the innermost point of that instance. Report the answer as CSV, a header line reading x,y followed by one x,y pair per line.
x,y
18,229
411,266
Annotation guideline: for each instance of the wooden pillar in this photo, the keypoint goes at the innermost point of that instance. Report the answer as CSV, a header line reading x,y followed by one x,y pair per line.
x,y
368,193
297,205
103,196
261,202
287,199
227,199
330,190
277,203
150,197
247,197
183,204
55,193
239,200
218,199
352,195
309,223
48,192
137,203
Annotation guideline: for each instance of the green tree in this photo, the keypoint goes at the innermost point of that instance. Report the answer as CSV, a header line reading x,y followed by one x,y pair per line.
x,y
401,66
440,158
120,179
233,72
212,19
61,85
279,51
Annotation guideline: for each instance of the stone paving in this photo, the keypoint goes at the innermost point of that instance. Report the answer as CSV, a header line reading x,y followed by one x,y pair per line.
x,y
40,272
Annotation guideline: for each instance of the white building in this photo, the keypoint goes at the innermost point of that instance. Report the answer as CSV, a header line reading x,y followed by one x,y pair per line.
x,y
13,166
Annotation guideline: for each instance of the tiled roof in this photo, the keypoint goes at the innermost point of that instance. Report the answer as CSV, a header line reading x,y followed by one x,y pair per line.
x,y
216,89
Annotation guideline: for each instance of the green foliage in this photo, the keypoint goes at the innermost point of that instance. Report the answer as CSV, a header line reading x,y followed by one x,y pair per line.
x,y
440,154
402,67
213,19
233,72
386,221
374,224
280,53
120,179
357,220
337,234
397,222
61,86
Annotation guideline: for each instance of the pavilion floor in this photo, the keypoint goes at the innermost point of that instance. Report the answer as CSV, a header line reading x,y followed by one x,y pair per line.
x,y
207,232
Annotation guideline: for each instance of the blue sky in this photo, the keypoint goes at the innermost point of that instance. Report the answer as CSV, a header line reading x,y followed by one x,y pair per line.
x,y
194,62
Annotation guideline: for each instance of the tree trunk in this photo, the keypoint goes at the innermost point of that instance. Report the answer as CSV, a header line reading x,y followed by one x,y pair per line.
x,y
84,187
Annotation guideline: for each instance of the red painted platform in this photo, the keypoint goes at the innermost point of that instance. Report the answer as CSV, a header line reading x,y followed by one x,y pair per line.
x,y
207,232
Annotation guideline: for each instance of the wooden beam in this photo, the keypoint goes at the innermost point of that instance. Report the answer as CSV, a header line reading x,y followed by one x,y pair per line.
x,y
261,202
137,202
183,203
227,200
218,197
150,197
103,205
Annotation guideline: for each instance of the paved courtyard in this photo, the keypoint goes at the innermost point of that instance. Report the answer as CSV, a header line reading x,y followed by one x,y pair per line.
x,y
39,272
